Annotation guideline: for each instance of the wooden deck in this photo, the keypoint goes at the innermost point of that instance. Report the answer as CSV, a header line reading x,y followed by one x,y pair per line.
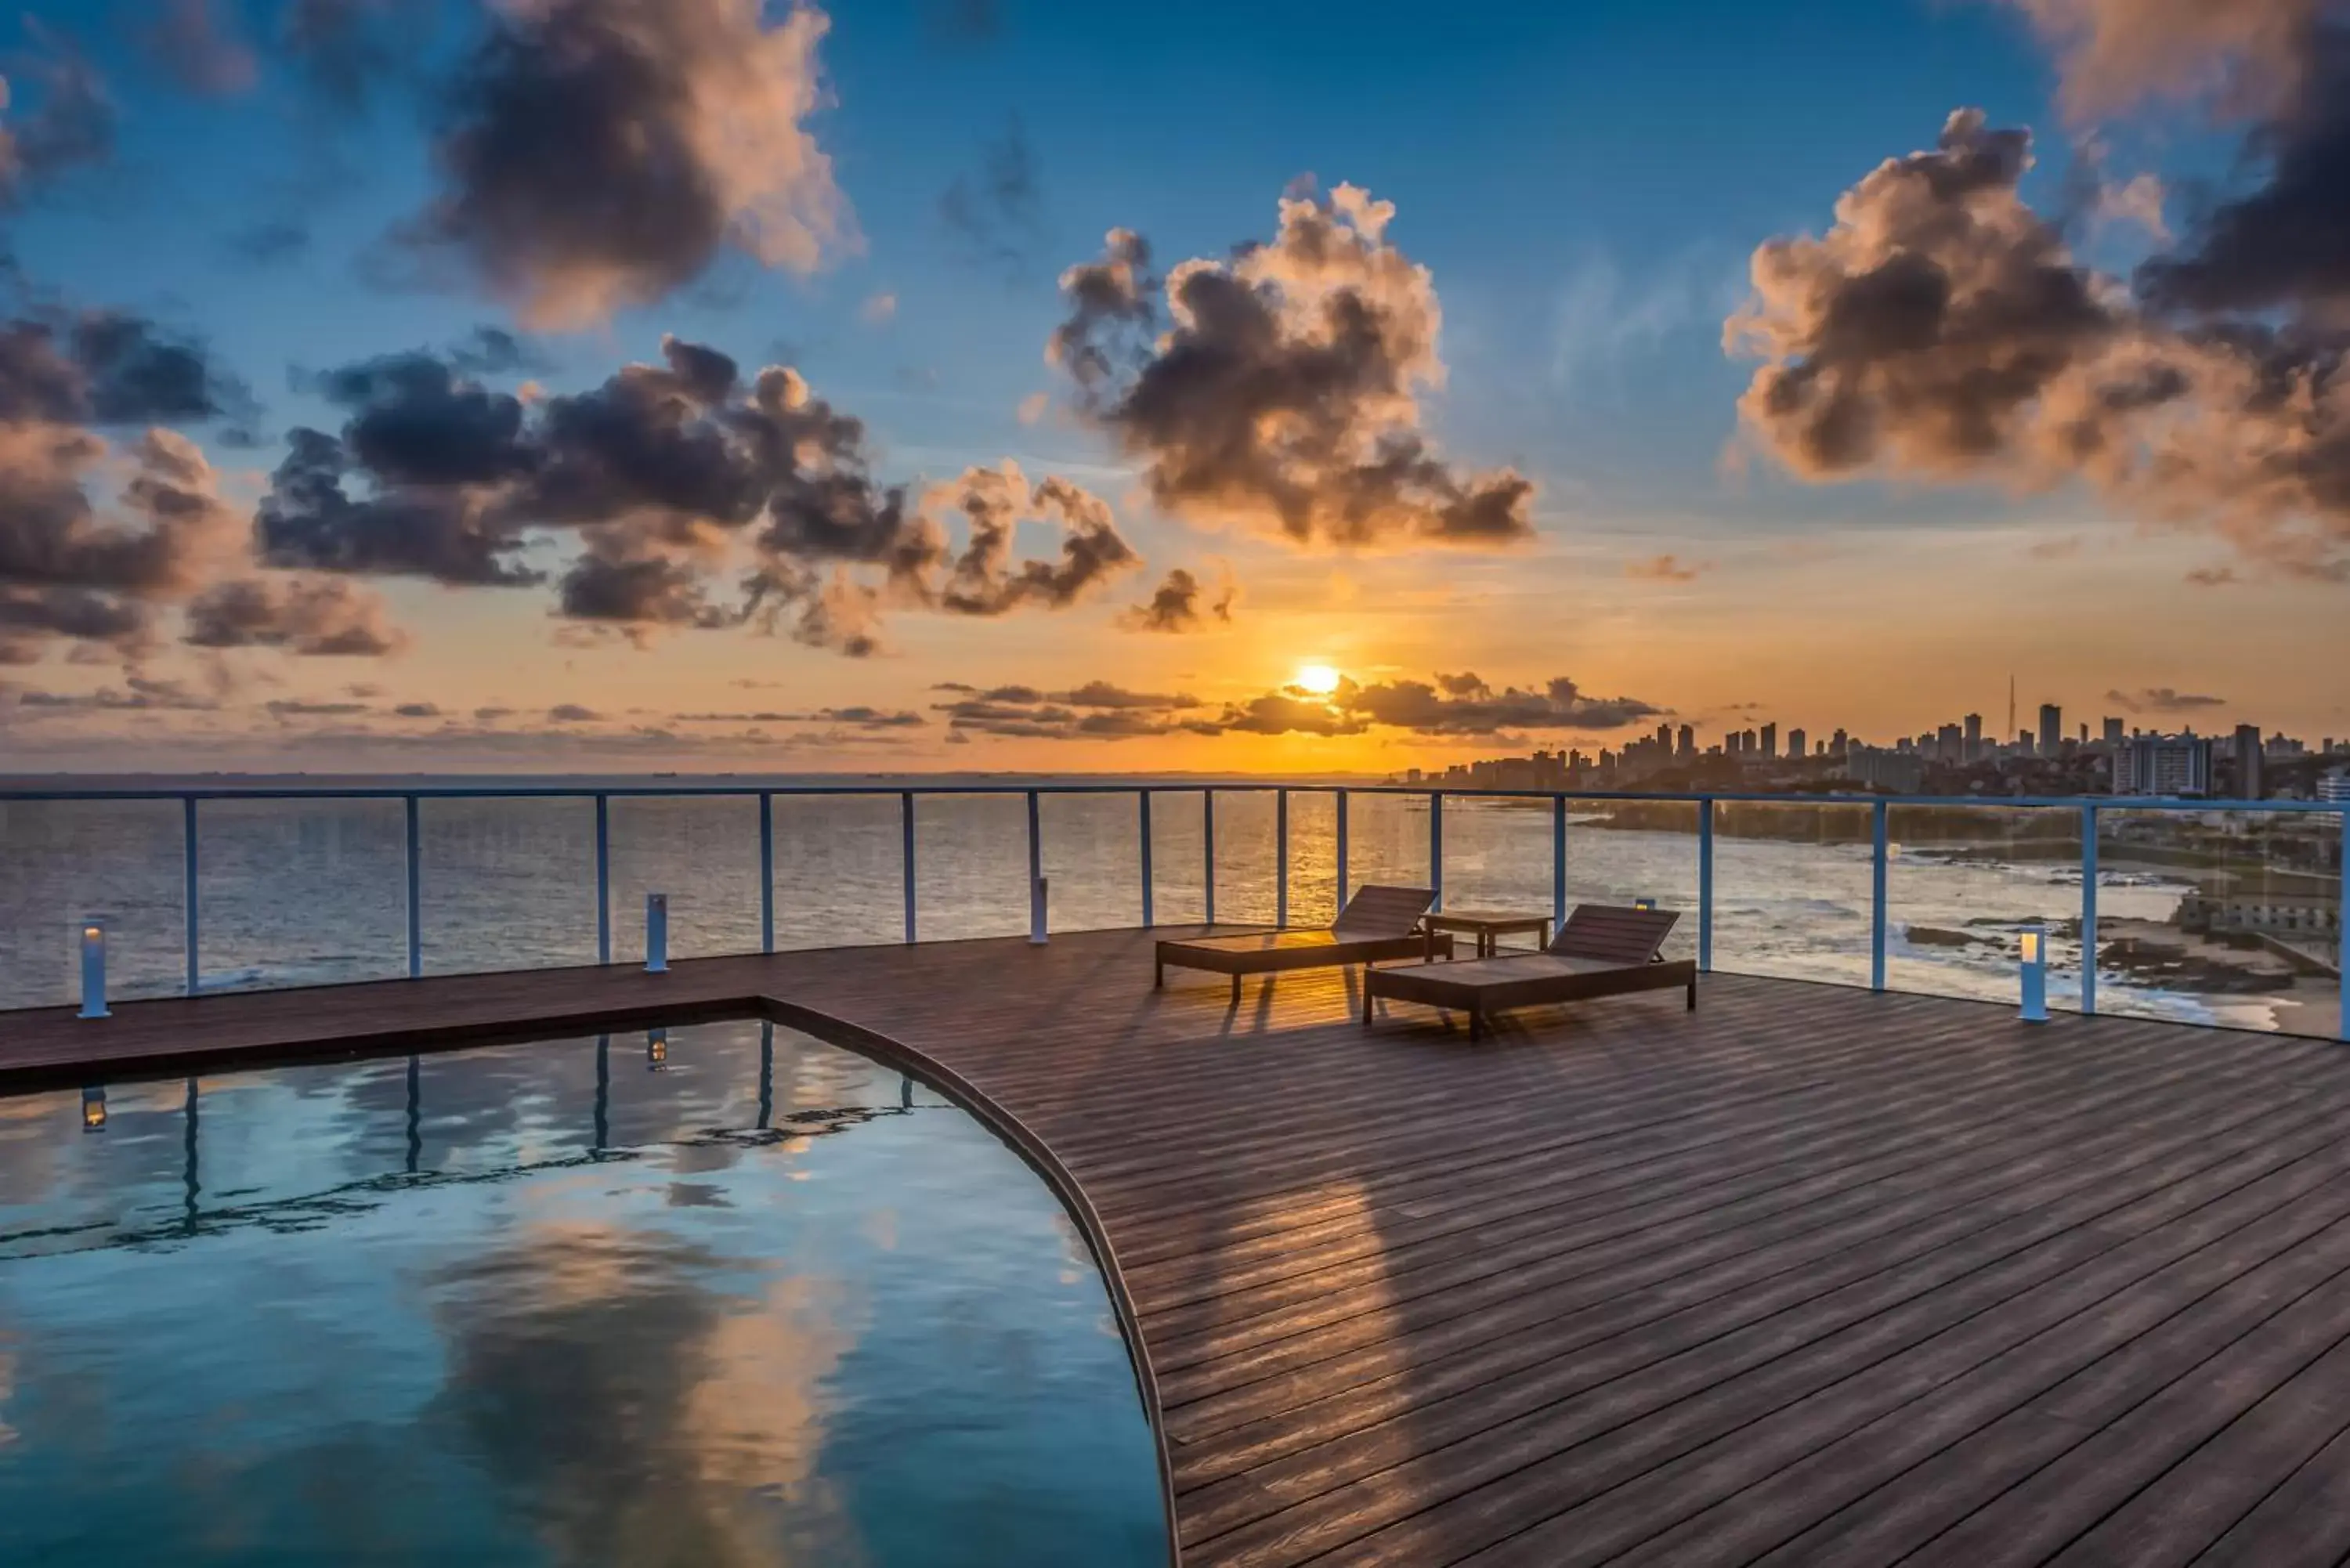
x,y
1809,1276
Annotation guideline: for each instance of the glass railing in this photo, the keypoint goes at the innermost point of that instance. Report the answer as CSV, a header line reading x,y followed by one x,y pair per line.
x,y
2225,913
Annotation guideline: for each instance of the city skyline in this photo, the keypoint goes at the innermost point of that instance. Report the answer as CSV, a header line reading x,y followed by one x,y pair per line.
x,y
919,418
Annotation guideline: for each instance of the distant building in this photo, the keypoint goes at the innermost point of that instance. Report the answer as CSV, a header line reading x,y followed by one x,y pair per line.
x,y
2052,729
1689,742
2246,754
1949,745
2335,787
1770,740
1839,744
1795,739
1902,772
1974,746
2163,765
2113,732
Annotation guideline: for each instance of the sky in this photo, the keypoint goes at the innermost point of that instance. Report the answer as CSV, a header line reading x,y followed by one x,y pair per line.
x,y
526,385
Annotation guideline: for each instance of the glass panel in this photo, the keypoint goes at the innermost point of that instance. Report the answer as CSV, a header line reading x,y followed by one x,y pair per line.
x,y
301,892
1245,858
1093,858
1178,890
1497,856
840,870
64,861
507,884
971,865
1387,840
2221,916
1793,888
1313,858
1962,879
704,852
1621,851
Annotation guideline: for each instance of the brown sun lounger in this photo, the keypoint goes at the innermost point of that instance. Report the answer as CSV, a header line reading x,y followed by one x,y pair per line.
x,y
1377,923
1599,952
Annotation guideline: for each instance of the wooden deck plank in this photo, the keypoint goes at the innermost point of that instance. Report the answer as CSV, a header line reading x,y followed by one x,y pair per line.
x,y
1809,1274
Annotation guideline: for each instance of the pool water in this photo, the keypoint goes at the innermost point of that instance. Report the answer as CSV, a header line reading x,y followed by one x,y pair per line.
x,y
739,1297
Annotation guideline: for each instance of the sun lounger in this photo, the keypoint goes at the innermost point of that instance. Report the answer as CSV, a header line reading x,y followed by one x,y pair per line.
x,y
1599,952
1377,923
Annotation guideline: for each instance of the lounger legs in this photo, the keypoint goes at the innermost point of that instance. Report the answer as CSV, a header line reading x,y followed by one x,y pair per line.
x,y
1367,1005
1236,991
1476,1026
1692,1003
1159,975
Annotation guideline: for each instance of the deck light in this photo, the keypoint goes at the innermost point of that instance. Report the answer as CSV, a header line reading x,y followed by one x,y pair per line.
x,y
656,1050
93,970
1643,903
2033,945
1036,913
93,1108
656,933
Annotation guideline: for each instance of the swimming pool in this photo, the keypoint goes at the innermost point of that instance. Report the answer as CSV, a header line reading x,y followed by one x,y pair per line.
x,y
722,1295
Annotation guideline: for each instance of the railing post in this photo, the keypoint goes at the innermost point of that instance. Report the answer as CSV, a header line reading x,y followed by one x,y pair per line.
x,y
1342,850
2089,910
1281,857
1877,902
1037,915
192,924
905,834
1557,861
1207,855
2342,924
1149,911
603,879
415,893
1705,885
766,872
1436,846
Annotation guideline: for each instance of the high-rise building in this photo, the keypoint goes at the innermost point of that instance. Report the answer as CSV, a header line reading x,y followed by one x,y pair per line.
x,y
2052,729
1795,739
2163,765
1839,744
2247,781
2113,732
1950,744
1903,772
1770,740
1974,738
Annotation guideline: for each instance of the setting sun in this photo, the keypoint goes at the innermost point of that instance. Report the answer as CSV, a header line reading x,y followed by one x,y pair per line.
x,y
1321,679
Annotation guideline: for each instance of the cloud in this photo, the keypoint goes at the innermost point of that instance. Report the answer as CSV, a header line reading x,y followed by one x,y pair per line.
x,y
322,616
137,694
301,708
200,49
997,213
343,48
110,368
1460,705
416,710
984,580
1097,711
1179,605
855,717
1943,330
1666,568
2116,53
967,23
572,713
1034,406
878,309
270,242
1284,393
2213,578
68,120
2163,700
1601,320
599,154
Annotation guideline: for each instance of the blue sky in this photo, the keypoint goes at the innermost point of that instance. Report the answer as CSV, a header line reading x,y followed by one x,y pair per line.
x,y
1585,183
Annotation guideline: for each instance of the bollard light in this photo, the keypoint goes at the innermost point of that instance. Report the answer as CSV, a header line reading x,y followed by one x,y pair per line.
x,y
1643,903
1036,913
656,1050
656,933
2032,948
93,1108
93,970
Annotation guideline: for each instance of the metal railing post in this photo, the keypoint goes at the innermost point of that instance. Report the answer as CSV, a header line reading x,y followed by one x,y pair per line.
x,y
1877,901
1705,885
906,835
191,925
1341,851
603,879
1035,867
1557,861
1436,846
1207,855
2342,924
2089,910
1281,857
766,872
1149,910
415,893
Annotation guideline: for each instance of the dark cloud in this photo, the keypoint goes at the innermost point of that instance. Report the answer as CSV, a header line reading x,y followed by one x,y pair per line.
x,y
104,366
997,212
299,708
65,120
309,519
1460,705
137,694
598,154
855,717
2163,700
985,580
1179,604
572,713
494,352
345,48
270,242
416,710
1284,392
322,616
1665,569
1097,711
199,45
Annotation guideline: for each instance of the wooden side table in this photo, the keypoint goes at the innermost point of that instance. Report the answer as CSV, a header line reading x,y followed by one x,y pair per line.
x,y
1488,926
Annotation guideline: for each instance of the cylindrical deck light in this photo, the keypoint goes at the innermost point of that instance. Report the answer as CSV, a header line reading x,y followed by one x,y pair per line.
x,y
1036,933
2032,948
656,933
93,968
656,1050
1643,903
93,1108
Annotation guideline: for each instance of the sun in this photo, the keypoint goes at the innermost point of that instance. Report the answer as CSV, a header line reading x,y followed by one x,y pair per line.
x,y
1320,679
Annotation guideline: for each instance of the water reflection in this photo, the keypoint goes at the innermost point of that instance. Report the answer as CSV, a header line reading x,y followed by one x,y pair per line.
x,y
765,1312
